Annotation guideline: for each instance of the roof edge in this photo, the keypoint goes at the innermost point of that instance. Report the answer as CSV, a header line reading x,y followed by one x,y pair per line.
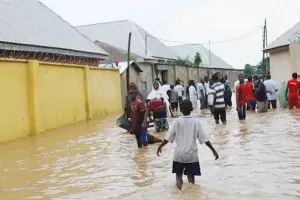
x,y
108,22
281,37
73,27
10,46
276,49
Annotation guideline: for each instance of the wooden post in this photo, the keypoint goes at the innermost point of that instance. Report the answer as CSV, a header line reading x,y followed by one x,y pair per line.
x,y
128,62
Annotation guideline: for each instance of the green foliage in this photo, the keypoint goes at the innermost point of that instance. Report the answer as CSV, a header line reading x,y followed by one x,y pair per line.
x,y
197,59
260,68
186,61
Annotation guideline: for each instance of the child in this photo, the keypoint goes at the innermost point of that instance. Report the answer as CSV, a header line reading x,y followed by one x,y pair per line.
x,y
138,118
174,99
186,131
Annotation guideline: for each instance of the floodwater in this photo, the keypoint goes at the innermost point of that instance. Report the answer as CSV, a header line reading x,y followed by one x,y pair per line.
x,y
259,159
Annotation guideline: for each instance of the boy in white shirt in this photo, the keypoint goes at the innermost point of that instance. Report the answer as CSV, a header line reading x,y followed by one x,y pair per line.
x,y
186,131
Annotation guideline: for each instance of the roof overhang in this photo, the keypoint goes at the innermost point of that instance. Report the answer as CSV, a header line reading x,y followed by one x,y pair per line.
x,y
123,66
276,49
52,50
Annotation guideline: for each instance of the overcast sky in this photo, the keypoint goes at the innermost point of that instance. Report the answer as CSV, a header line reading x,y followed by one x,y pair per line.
x,y
193,21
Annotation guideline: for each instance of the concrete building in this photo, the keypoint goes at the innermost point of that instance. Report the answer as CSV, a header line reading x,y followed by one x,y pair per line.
x,y
30,30
150,58
211,63
147,52
285,55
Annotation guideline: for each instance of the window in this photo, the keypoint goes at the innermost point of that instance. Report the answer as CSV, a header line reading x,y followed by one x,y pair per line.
x,y
143,86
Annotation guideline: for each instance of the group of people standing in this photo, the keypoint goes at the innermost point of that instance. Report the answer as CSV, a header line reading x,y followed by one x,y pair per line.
x,y
254,93
259,92
214,94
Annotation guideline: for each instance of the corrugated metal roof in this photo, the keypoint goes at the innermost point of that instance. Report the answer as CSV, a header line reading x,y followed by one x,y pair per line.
x,y
116,34
189,51
31,23
290,36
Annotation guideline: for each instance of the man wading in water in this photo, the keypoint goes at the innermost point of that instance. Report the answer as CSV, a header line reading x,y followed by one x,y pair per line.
x,y
128,111
186,130
138,116
219,102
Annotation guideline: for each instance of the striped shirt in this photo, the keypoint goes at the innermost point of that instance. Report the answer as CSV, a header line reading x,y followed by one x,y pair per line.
x,y
219,98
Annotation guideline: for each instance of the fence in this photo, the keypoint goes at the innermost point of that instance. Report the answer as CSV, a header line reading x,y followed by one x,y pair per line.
x,y
38,96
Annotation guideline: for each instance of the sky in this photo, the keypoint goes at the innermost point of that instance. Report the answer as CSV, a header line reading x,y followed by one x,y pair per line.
x,y
194,21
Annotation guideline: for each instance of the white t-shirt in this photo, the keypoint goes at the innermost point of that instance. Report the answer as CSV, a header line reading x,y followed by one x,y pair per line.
x,y
271,86
206,85
185,131
166,88
179,89
200,87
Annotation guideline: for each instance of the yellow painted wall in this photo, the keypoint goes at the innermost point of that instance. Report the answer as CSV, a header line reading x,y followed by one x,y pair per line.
x,y
14,121
37,96
104,92
61,95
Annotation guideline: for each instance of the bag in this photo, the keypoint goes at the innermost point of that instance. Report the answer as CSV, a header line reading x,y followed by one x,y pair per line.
x,y
123,122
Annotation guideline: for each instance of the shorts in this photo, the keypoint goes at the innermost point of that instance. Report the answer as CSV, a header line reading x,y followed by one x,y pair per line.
x,y
192,169
141,136
293,101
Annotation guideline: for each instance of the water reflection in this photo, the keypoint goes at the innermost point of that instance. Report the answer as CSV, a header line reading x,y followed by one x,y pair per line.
x,y
259,159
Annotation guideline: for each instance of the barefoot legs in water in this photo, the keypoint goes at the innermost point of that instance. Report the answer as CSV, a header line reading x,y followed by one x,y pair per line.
x,y
191,179
179,181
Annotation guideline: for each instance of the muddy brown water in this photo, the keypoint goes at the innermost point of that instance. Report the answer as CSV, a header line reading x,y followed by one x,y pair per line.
x,y
259,159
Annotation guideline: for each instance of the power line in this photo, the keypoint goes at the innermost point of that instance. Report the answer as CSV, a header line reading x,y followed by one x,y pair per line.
x,y
242,36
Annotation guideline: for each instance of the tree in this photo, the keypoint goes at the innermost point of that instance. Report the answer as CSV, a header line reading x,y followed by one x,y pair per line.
x,y
261,68
249,70
197,59
184,62
264,66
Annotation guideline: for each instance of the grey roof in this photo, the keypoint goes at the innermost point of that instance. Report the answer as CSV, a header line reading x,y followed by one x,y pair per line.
x,y
189,51
116,34
29,25
290,36
116,54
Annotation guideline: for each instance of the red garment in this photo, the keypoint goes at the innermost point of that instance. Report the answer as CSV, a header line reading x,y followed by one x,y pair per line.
x,y
293,85
241,95
249,91
138,109
155,105
294,101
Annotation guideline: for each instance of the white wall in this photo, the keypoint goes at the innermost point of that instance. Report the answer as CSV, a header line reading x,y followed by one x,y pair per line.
x,y
295,57
280,67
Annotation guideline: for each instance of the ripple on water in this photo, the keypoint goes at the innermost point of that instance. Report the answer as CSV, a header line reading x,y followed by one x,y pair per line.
x,y
259,159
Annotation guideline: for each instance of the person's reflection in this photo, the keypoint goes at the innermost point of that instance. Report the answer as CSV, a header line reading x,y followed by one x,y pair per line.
x,y
140,177
244,133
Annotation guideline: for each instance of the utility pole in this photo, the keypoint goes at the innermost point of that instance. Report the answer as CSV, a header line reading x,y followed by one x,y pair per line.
x,y
209,58
128,62
146,44
264,46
